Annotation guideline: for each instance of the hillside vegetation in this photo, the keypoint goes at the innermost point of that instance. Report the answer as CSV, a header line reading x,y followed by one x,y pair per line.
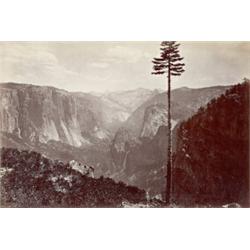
x,y
30,180
212,155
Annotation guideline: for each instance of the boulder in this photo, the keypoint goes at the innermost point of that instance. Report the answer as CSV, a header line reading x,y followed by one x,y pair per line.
x,y
82,168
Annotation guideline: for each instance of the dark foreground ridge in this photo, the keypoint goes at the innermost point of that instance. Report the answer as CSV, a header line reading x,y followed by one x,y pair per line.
x,y
211,165
30,180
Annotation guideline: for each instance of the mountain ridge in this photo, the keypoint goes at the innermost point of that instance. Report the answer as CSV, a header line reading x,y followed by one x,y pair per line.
x,y
211,162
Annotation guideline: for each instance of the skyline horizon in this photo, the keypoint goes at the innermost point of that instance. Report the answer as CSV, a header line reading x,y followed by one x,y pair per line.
x,y
119,66
123,90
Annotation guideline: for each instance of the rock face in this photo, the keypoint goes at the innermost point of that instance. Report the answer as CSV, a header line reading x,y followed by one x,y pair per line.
x,y
155,116
142,160
211,165
82,168
41,114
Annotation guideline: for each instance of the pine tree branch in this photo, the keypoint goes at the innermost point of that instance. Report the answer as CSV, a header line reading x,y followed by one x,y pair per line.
x,y
157,63
158,72
177,59
159,59
177,64
176,67
159,67
175,74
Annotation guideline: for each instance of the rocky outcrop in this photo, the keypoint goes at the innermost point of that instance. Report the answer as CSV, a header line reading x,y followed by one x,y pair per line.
x,y
82,168
155,116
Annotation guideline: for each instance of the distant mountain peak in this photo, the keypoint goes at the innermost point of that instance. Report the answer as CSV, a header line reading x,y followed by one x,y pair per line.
x,y
184,88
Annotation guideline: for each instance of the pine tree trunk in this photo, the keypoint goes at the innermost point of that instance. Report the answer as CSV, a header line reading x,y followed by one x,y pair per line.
x,y
169,160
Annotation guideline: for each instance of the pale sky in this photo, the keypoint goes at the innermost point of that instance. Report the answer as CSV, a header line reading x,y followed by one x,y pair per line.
x,y
112,66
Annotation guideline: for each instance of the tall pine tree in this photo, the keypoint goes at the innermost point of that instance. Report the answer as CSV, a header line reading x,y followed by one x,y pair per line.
x,y
169,63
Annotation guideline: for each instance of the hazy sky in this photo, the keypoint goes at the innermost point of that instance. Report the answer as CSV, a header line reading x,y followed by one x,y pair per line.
x,y
109,66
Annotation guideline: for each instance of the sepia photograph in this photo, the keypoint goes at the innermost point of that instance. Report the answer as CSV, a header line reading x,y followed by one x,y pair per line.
x,y
133,124
124,125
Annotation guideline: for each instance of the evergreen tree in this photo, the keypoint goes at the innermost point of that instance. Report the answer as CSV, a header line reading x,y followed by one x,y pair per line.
x,y
169,63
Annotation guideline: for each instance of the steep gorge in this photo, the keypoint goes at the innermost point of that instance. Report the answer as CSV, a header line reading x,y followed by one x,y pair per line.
x,y
143,135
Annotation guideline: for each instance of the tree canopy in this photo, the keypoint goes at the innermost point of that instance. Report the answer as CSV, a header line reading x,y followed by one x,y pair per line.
x,y
169,60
